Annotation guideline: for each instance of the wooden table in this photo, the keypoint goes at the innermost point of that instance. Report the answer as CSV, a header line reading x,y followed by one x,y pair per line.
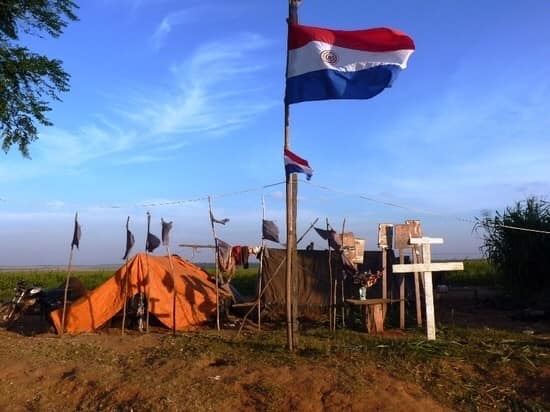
x,y
373,313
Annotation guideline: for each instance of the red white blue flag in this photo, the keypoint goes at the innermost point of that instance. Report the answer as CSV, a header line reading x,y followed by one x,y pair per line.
x,y
336,64
295,164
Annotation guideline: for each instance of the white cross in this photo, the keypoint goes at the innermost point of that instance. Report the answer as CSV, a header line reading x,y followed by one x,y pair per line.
x,y
427,267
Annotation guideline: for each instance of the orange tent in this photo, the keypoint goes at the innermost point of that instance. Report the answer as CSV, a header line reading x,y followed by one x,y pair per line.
x,y
195,295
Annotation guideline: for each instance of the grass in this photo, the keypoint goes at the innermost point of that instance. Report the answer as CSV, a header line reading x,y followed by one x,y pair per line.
x,y
466,369
477,272
49,279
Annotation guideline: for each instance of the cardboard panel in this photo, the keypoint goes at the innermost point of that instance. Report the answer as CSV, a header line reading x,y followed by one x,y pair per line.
x,y
402,236
415,229
385,235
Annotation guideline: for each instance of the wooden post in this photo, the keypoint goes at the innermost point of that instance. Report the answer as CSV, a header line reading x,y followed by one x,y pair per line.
x,y
261,268
415,259
331,320
415,231
401,292
216,264
429,292
295,280
385,242
290,200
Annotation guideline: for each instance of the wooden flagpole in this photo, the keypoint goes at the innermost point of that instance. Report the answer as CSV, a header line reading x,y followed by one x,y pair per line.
x,y
343,310
216,263
126,280
173,290
261,267
148,287
69,268
290,201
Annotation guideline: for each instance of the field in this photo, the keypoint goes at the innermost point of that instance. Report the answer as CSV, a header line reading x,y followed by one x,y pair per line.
x,y
485,358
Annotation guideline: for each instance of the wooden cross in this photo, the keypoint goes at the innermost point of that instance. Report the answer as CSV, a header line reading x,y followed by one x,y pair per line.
x,y
427,267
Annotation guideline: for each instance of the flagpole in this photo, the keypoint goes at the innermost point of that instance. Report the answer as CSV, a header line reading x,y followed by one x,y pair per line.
x,y
68,275
216,263
148,288
173,291
290,201
125,281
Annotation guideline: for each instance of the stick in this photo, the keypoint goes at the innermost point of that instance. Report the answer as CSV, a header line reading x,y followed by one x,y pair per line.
x,y
125,283
216,264
307,230
261,267
67,281
147,285
66,291
261,294
173,290
342,280
331,323
401,293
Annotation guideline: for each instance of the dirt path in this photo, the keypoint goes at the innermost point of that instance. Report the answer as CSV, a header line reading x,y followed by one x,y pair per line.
x,y
140,373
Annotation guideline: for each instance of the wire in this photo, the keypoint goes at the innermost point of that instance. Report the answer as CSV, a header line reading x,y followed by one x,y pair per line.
x,y
460,219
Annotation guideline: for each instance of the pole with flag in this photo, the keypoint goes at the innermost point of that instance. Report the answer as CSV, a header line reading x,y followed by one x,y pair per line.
x,y
151,243
216,267
291,186
130,240
75,242
166,227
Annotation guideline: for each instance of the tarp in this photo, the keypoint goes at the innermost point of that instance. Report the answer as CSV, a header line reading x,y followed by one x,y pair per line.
x,y
195,295
313,280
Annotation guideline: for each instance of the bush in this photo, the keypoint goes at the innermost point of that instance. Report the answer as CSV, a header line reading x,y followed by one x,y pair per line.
x,y
522,257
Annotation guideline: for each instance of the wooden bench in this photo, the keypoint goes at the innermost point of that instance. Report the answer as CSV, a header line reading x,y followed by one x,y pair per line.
x,y
373,313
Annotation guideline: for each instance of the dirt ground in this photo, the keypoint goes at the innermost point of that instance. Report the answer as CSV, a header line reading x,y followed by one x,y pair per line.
x,y
140,372
113,373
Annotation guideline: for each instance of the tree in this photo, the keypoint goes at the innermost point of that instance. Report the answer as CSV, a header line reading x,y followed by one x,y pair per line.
x,y
29,81
522,257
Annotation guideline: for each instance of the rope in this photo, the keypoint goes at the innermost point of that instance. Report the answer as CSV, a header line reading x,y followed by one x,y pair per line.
x,y
460,219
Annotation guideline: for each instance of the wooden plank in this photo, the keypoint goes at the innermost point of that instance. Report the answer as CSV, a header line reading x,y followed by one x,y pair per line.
x,y
385,235
402,291
371,301
415,254
428,267
426,240
428,293
401,236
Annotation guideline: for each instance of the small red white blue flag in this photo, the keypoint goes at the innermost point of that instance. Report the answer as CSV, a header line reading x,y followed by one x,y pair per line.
x,y
295,164
338,64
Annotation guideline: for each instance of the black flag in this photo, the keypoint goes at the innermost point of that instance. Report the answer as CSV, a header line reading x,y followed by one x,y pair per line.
x,y
270,231
129,240
76,233
166,226
221,222
332,237
152,243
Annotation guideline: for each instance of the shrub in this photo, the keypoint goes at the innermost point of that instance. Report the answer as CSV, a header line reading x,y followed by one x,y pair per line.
x,y
522,257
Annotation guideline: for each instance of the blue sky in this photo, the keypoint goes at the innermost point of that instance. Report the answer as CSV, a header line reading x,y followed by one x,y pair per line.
x,y
175,100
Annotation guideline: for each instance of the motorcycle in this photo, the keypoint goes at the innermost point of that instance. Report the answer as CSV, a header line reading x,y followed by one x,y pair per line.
x,y
35,300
